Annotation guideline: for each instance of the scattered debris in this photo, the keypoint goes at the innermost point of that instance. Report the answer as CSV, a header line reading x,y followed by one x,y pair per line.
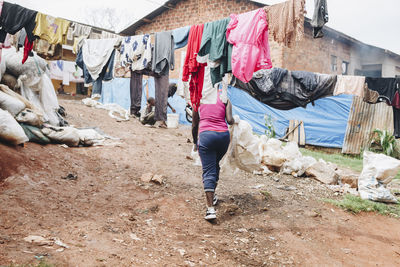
x,y
323,172
134,237
70,177
38,240
146,177
149,177
286,187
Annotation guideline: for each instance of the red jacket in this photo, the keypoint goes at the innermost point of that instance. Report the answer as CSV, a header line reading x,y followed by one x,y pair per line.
x,y
192,68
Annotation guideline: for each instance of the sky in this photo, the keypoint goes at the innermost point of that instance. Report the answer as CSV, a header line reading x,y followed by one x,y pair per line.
x,y
370,21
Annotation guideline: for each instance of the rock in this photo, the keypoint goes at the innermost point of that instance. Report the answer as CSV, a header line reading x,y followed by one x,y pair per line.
x,y
39,240
286,187
158,179
348,177
146,177
323,172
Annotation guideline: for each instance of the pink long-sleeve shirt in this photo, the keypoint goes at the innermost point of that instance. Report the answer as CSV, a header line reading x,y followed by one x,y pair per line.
x,y
248,32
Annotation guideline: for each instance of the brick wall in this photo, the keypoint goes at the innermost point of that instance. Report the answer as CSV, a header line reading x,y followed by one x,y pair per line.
x,y
309,55
315,54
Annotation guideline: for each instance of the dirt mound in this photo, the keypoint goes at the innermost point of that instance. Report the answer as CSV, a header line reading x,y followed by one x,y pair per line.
x,y
11,158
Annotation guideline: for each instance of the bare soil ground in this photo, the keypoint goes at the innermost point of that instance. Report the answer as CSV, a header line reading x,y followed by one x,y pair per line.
x,y
109,217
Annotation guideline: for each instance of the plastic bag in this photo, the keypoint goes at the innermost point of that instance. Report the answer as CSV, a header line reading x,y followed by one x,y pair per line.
x,y
378,171
11,104
271,152
10,131
196,157
63,135
243,151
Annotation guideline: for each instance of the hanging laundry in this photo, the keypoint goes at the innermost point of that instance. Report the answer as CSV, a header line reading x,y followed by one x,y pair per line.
x,y
108,35
320,17
163,60
80,30
181,36
193,68
163,53
81,64
51,29
96,53
384,86
216,49
13,18
136,52
105,75
6,44
78,42
248,32
387,88
27,49
370,96
209,92
286,21
282,89
350,85
65,71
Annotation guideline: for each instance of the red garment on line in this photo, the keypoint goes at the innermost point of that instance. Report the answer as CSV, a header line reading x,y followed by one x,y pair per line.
x,y
192,68
27,49
396,100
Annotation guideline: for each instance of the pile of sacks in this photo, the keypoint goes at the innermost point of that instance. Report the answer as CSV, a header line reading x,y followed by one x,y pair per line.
x,y
263,155
21,121
260,154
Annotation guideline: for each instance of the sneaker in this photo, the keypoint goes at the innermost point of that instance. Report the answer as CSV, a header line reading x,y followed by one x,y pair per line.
x,y
215,200
210,214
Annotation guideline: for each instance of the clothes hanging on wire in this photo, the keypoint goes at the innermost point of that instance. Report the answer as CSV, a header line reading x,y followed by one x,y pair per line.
x,y
350,85
370,96
192,68
136,88
96,53
280,89
15,17
80,30
320,17
163,53
248,32
181,36
286,21
135,52
54,30
215,50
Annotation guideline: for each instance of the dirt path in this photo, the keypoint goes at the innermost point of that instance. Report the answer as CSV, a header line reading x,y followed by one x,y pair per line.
x,y
109,217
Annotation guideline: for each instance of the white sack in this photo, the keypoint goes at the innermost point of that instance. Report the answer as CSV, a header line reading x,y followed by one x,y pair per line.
x,y
378,171
10,131
89,137
243,151
63,135
11,104
29,117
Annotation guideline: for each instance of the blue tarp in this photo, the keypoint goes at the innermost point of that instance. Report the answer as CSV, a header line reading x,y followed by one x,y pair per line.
x,y
324,124
118,91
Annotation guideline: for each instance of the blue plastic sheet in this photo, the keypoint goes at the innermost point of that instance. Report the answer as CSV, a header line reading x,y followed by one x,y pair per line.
x,y
324,124
118,91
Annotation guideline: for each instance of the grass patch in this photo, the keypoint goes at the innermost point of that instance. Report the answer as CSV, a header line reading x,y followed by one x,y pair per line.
x,y
266,194
355,204
353,163
40,264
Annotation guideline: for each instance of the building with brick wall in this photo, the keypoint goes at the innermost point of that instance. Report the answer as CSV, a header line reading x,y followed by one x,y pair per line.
x,y
335,53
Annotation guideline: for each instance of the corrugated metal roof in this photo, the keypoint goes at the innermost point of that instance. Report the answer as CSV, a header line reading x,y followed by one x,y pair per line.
x,y
364,118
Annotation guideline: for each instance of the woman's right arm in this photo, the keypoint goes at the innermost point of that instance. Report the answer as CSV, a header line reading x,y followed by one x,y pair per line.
x,y
228,113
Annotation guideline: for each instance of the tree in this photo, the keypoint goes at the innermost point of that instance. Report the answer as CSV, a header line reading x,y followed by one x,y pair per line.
x,y
106,18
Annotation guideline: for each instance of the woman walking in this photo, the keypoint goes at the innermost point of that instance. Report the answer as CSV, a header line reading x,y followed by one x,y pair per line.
x,y
210,127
